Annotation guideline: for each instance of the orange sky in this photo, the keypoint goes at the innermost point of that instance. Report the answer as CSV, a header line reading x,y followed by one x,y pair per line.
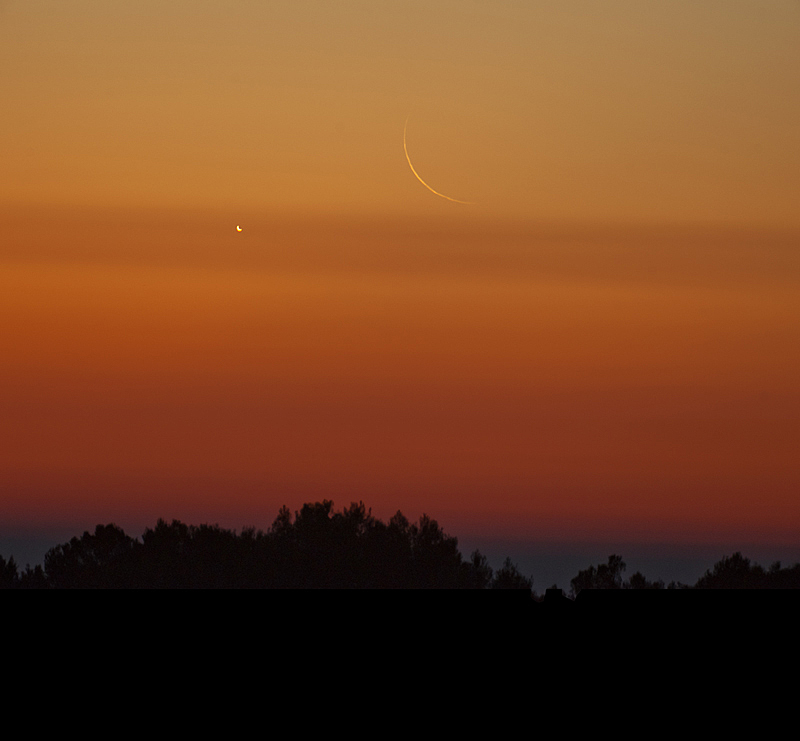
x,y
607,344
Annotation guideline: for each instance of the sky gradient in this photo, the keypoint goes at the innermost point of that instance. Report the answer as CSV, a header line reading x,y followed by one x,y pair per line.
x,y
603,348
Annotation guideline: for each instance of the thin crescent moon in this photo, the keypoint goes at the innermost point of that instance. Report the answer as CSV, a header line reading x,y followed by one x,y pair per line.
x,y
416,175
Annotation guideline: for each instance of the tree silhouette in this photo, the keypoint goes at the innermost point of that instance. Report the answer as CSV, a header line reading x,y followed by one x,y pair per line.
x,y
179,556
98,560
638,581
321,548
479,573
9,579
604,576
509,577
734,572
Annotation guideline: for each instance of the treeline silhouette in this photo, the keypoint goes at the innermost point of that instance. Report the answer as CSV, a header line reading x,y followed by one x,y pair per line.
x,y
732,572
319,548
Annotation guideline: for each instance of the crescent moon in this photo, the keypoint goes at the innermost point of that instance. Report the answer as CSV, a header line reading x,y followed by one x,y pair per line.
x,y
416,174
238,228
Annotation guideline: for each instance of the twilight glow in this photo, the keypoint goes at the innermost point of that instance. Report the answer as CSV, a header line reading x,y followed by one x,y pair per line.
x,y
605,349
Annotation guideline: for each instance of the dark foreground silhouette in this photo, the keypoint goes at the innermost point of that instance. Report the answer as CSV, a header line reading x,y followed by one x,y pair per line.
x,y
732,572
319,548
